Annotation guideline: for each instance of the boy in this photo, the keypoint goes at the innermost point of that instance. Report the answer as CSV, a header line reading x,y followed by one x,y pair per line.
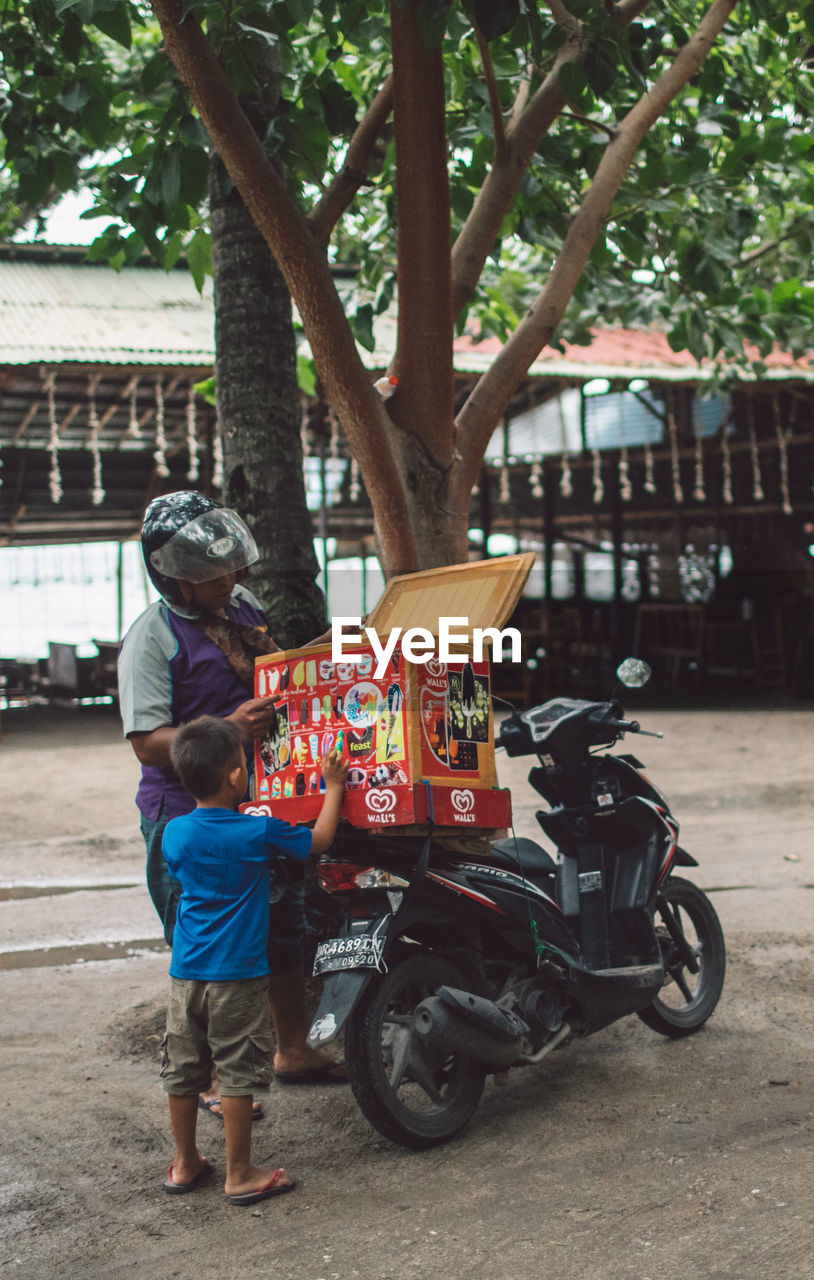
x,y
218,1008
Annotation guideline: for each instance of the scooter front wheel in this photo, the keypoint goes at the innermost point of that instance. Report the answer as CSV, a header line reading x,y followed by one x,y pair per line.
x,y
413,1099
691,938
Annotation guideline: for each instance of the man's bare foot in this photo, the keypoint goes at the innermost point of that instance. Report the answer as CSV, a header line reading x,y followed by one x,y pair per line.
x,y
309,1066
258,1183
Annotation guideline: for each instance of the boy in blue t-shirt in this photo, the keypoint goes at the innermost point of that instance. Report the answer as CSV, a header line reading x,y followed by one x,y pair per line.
x,y
218,1009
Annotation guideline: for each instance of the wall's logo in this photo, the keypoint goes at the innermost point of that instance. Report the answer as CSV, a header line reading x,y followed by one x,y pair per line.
x,y
381,801
436,669
258,810
462,801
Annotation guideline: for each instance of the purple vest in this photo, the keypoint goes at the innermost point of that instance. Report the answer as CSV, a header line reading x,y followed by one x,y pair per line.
x,y
203,684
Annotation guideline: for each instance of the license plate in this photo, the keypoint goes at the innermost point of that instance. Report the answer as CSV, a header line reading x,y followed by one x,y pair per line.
x,y
360,951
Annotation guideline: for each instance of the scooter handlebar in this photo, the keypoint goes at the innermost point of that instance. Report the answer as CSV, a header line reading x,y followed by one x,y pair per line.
x,y
631,726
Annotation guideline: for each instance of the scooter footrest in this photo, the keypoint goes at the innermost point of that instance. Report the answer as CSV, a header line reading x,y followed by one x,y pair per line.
x,y
630,971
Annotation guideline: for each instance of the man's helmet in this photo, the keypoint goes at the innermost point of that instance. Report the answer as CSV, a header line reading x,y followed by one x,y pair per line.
x,y
188,536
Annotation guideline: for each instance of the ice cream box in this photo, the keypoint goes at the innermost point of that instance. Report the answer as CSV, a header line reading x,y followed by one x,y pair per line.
x,y
418,736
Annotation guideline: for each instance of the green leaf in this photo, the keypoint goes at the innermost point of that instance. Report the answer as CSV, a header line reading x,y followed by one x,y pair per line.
x,y
306,375
495,18
171,177
199,258
784,290
361,323
206,390
75,95
115,23
172,251
573,80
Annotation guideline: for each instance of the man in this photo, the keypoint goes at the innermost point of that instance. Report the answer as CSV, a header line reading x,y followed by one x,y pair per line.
x,y
191,654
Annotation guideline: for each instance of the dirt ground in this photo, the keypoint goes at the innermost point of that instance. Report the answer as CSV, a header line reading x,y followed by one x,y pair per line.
x,y
625,1156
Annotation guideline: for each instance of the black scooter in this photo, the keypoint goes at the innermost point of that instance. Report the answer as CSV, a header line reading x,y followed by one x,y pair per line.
x,y
453,965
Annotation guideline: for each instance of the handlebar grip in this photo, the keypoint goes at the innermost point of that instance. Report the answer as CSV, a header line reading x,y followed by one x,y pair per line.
x,y
626,726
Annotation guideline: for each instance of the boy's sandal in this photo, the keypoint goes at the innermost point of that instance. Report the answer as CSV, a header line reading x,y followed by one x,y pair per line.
x,y
174,1188
206,1104
274,1187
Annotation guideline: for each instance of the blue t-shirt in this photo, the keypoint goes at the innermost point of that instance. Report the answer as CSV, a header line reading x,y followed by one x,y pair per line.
x,y
222,860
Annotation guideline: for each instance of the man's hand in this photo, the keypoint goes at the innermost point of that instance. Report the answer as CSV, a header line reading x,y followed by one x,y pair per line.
x,y
334,770
255,717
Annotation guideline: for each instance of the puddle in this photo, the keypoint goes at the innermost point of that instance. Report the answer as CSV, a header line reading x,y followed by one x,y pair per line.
x,y
81,953
18,891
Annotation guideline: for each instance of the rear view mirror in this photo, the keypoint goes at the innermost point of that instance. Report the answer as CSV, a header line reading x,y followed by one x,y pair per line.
x,y
633,673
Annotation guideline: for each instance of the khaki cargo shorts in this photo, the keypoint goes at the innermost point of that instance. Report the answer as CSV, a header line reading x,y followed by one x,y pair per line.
x,y
225,1023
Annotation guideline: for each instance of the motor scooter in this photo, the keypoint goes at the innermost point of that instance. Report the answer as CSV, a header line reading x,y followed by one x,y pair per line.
x,y
452,965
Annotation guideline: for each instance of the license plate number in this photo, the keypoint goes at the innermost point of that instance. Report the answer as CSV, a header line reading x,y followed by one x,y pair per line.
x,y
360,951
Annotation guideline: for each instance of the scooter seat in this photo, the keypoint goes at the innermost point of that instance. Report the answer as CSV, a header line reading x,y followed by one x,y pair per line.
x,y
511,853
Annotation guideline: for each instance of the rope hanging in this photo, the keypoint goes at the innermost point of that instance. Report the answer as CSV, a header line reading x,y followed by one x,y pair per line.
x,y
334,425
599,486
194,468
678,492
217,459
505,494
726,458
699,492
160,454
566,485
54,474
354,492
649,476
625,487
757,480
97,495
536,479
133,431
782,445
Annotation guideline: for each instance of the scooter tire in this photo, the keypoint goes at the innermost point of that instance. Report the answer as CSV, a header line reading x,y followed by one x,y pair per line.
x,y
687,1000
386,1081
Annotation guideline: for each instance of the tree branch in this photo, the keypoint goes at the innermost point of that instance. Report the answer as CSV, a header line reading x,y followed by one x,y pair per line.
x,y
526,130
484,407
423,404
494,95
746,259
326,213
592,124
482,227
302,264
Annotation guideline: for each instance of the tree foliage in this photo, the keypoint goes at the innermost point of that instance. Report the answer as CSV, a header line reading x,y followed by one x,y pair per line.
x,y
625,163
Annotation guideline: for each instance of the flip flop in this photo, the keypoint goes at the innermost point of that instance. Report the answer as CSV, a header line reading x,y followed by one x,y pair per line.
x,y
183,1188
272,1188
324,1074
207,1104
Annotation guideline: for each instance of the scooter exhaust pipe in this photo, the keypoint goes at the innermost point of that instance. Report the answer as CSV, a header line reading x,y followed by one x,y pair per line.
x,y
455,1021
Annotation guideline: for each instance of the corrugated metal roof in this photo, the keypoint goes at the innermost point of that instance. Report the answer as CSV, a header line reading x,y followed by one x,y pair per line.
x,y
616,353
61,311
58,312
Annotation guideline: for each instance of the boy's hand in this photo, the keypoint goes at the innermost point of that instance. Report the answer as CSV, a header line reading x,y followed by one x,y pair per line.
x,y
334,770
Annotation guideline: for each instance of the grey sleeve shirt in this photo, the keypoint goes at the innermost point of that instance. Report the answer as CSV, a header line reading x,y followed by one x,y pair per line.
x,y
145,685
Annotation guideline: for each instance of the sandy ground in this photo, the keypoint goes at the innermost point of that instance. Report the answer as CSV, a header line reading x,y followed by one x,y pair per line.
x,y
624,1157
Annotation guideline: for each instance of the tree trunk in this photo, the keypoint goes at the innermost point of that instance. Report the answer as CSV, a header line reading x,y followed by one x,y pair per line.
x,y
259,410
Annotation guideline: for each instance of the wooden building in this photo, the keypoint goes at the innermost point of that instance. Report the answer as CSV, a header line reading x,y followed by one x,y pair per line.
x,y
671,509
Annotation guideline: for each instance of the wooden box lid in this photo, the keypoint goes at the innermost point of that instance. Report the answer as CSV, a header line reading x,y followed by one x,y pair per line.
x,y
485,591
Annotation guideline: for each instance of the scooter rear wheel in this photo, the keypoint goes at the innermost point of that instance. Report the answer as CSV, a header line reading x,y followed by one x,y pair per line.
x,y
411,1100
687,999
